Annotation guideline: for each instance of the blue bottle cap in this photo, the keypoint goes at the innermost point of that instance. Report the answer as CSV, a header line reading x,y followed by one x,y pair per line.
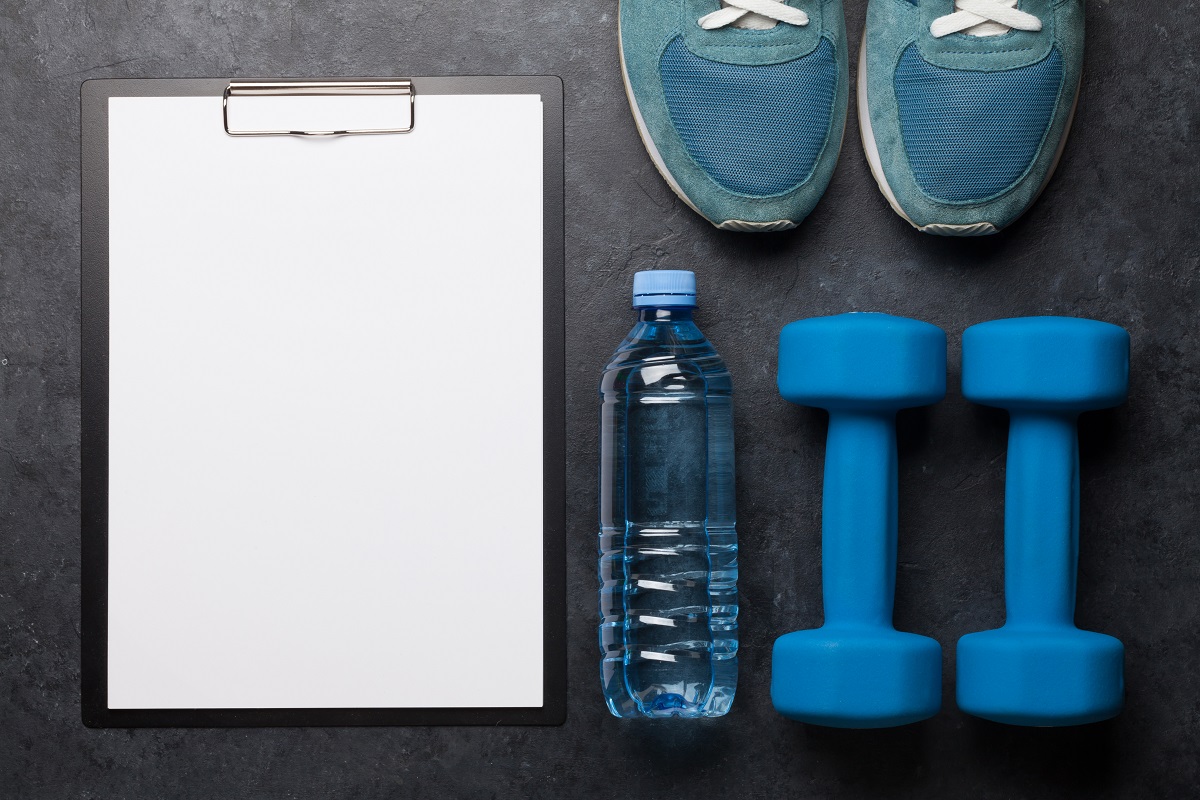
x,y
664,287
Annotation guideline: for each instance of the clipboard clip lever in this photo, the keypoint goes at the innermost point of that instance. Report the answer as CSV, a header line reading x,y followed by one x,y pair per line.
x,y
319,89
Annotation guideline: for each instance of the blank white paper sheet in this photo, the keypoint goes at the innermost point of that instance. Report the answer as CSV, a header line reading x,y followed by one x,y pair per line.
x,y
325,410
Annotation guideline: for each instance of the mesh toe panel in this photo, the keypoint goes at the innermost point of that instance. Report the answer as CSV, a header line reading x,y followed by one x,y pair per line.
x,y
970,135
756,130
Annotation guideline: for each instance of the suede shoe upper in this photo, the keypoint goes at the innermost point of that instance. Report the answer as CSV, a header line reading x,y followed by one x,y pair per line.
x,y
745,123
968,127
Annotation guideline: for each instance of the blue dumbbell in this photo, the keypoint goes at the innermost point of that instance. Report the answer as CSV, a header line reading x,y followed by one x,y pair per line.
x,y
857,671
1039,669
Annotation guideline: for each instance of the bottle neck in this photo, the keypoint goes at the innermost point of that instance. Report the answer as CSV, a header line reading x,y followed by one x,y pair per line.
x,y
665,314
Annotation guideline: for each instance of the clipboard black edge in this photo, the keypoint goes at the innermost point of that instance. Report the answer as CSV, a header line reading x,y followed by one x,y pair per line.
x,y
94,96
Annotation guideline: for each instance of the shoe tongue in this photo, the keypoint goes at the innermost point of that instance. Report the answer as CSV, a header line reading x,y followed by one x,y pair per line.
x,y
990,28
752,21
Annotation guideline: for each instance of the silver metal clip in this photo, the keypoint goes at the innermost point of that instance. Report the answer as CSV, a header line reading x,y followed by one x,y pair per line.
x,y
319,89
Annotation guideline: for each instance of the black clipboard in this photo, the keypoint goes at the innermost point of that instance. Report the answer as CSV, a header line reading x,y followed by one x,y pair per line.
x,y
96,98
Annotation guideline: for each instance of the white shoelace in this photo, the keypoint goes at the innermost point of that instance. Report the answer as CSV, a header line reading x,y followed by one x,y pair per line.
x,y
753,14
984,18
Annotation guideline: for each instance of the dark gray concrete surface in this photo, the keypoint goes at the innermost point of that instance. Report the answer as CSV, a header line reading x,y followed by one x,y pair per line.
x,y
1115,237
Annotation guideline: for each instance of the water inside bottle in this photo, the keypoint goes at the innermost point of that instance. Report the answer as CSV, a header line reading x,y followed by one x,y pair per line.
x,y
668,548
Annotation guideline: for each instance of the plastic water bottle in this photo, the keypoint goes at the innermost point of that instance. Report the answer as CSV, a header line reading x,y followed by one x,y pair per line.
x,y
668,550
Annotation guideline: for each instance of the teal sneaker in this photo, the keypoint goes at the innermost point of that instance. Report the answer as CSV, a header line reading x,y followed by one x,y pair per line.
x,y
741,104
964,105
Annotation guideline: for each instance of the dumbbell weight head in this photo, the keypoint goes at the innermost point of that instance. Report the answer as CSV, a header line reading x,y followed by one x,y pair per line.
x,y
1046,363
1041,677
847,676
1038,669
862,360
857,671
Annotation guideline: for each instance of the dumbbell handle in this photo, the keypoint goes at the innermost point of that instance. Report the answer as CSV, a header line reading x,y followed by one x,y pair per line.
x,y
858,524
1041,518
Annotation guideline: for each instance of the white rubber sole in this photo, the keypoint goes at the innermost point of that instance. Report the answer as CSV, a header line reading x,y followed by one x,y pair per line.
x,y
981,228
744,226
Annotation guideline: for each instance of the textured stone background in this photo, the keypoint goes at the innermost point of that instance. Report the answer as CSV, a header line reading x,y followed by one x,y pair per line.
x,y
1115,237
